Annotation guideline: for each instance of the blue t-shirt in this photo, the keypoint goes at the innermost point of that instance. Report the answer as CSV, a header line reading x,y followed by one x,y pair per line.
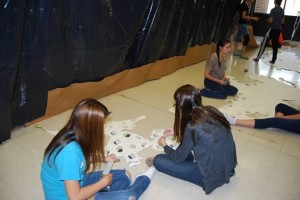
x,y
68,165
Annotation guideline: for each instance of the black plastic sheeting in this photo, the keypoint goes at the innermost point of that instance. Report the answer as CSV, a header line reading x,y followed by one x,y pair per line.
x,y
50,44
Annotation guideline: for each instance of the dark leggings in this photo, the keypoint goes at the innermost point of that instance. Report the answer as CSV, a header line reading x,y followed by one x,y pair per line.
x,y
291,125
218,91
285,109
272,34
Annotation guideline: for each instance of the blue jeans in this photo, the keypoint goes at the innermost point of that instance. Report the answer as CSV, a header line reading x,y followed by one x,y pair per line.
x,y
243,31
187,170
120,189
216,90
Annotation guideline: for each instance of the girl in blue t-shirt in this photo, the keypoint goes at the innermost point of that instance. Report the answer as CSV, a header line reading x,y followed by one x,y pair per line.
x,y
78,149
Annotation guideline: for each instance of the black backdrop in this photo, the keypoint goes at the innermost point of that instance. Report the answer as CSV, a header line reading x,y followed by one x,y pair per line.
x,y
47,44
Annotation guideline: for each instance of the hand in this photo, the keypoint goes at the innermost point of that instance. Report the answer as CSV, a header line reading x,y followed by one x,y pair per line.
x,y
111,158
168,132
162,141
224,82
228,80
255,18
106,179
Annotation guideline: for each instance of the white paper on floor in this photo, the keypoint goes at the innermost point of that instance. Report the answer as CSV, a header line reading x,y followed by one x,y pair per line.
x,y
258,99
254,100
124,142
285,60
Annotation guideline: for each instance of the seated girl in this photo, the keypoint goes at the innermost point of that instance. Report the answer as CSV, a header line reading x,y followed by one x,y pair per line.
x,y
217,85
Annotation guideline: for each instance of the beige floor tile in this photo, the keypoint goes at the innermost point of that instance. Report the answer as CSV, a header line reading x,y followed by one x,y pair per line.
x,y
291,145
268,160
6,193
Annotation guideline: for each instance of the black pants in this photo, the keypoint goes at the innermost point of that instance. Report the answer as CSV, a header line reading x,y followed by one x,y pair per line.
x,y
272,34
291,125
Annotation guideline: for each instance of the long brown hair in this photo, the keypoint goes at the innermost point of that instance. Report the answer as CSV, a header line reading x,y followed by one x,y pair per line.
x,y
220,44
85,126
189,108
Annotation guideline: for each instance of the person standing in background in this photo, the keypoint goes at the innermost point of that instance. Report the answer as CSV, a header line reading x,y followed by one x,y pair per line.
x,y
243,31
276,19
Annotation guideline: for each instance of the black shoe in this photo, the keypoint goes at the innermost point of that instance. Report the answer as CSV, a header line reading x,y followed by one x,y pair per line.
x,y
272,62
2,141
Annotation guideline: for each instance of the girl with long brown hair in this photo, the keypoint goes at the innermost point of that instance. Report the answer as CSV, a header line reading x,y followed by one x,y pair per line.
x,y
71,159
206,155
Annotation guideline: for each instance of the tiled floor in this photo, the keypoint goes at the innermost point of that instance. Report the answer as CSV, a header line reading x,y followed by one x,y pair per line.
x,y
269,161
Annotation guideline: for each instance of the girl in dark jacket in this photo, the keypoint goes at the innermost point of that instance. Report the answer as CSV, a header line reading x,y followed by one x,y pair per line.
x,y
206,155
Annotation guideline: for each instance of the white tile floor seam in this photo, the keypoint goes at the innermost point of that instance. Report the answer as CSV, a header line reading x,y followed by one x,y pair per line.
x,y
268,160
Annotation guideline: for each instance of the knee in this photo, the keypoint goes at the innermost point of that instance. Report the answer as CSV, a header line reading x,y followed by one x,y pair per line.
x,y
280,107
246,40
123,176
234,91
159,161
